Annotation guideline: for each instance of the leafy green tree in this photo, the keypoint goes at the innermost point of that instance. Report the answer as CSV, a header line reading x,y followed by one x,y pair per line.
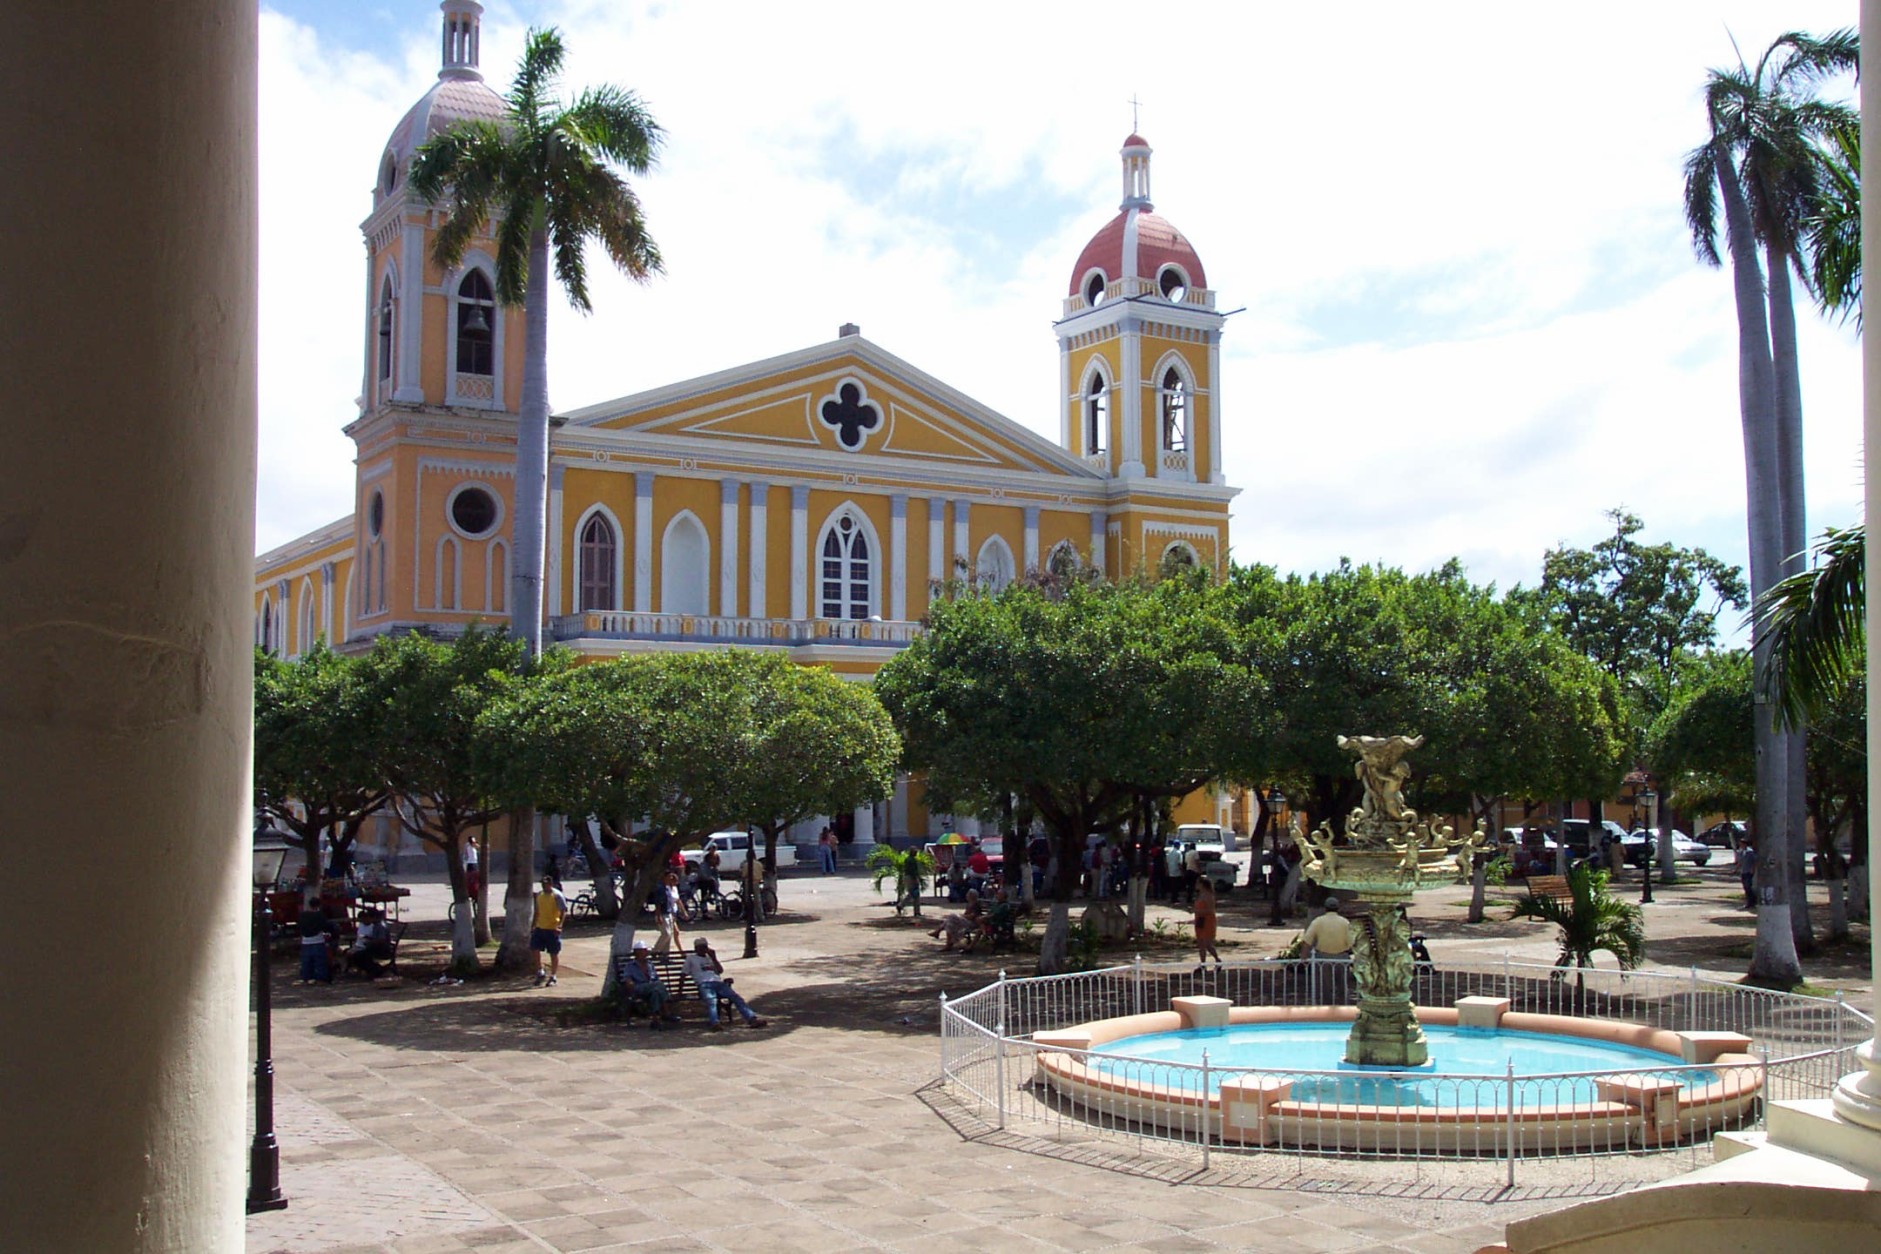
x,y
1504,706
317,742
434,760
1591,921
1838,796
1080,704
546,176
1635,610
1701,745
1759,166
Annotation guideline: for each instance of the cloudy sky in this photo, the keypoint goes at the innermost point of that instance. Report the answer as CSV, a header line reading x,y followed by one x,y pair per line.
x,y
1472,318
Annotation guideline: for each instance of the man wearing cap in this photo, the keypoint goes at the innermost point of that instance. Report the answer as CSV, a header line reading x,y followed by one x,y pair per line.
x,y
709,974
641,982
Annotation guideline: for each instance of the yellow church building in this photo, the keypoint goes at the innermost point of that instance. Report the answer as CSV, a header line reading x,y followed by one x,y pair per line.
x,y
809,503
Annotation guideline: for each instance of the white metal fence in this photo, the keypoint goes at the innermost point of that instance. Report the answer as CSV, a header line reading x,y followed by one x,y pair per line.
x,y
991,1063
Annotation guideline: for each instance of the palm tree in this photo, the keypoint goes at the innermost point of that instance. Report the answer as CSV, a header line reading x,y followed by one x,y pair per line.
x,y
1832,233
546,179
1592,920
1812,625
1760,163
909,868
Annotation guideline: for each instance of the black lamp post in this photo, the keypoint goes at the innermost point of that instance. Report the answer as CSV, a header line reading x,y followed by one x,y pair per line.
x,y
1275,801
264,1155
1651,801
751,896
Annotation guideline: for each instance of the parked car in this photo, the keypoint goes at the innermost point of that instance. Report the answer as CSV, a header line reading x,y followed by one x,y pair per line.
x,y
1684,848
1206,836
1220,872
1581,834
733,847
1726,835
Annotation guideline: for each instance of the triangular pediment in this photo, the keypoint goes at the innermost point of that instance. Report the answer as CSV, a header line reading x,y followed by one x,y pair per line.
x,y
845,399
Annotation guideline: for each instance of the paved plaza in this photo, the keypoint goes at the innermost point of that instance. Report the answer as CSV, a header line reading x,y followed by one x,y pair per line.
x,y
495,1116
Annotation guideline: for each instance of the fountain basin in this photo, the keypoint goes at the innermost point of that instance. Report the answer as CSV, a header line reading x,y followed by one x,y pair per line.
x,y
1625,1083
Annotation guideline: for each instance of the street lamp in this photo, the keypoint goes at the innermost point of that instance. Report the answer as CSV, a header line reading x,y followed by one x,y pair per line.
x,y
264,1155
752,881
1651,801
1276,803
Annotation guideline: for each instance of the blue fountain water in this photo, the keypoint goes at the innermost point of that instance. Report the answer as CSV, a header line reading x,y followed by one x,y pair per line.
x,y
1483,1054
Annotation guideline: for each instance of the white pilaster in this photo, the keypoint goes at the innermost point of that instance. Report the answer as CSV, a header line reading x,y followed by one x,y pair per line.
x,y
963,555
643,541
1031,539
1217,463
557,544
898,558
865,826
1067,404
1130,349
966,825
326,601
799,552
728,548
936,540
1100,524
408,321
758,607
898,809
368,382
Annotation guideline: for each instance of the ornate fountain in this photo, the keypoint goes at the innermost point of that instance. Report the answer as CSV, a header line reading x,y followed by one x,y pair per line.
x,y
1385,856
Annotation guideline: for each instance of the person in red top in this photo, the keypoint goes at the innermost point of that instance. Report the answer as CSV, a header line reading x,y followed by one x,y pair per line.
x,y
979,866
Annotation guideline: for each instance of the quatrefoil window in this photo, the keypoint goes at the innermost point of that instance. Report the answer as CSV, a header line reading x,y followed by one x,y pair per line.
x,y
850,414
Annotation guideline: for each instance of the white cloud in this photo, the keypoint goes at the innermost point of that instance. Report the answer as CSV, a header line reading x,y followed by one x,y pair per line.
x,y
1472,318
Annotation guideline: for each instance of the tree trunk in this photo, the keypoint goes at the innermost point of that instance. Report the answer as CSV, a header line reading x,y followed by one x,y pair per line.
x,y
519,898
1773,959
640,882
606,902
463,930
532,453
1052,957
482,923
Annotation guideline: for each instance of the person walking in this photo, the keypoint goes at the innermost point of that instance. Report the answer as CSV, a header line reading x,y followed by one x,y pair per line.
x,y
1207,922
669,915
546,936
826,850
1747,872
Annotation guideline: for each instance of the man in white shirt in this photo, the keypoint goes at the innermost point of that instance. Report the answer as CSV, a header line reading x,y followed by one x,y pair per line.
x,y
709,974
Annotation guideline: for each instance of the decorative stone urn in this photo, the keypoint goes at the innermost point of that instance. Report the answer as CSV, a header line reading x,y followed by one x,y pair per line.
x,y
1386,855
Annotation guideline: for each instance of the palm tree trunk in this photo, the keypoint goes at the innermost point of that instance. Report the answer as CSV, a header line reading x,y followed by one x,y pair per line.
x,y
1773,958
1789,439
532,453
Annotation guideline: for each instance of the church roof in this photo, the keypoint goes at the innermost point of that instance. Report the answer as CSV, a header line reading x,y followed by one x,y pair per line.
x,y
1138,244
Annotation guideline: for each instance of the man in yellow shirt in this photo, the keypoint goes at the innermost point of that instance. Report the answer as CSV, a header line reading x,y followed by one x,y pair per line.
x,y
546,936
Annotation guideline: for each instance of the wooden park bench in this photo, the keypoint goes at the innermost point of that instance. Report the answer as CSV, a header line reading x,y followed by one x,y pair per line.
x,y
1555,886
671,968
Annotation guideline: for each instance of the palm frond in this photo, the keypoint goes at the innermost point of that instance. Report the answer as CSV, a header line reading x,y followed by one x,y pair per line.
x,y
1813,626
512,246
614,123
1701,202
534,89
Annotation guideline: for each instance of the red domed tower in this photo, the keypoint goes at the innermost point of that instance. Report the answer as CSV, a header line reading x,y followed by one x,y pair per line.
x,y
1139,345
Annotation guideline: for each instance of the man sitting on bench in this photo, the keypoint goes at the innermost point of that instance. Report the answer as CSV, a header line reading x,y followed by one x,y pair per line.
x,y
640,984
709,974
372,946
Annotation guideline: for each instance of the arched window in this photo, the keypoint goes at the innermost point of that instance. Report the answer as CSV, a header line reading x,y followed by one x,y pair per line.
x,y
1175,397
1176,559
992,570
267,625
476,323
385,329
308,621
597,560
450,580
1096,413
845,585
1062,562
685,567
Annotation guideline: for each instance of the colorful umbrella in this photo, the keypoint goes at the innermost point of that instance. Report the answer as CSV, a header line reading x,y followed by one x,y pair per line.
x,y
953,838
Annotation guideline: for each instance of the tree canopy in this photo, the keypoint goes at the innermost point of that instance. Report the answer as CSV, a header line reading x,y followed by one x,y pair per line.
x,y
317,748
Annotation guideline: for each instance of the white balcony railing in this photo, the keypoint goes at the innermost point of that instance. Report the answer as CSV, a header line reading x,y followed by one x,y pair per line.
x,y
634,625
1175,464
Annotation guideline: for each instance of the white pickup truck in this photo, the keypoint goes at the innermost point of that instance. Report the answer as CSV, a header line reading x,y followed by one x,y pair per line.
x,y
733,848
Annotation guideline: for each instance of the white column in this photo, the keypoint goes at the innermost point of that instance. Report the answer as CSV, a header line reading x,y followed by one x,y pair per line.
x,y
1067,405
728,548
962,553
937,571
1217,463
758,606
326,601
408,324
898,558
643,541
898,809
1031,539
799,552
1100,524
556,541
865,827
129,696
369,381
1130,348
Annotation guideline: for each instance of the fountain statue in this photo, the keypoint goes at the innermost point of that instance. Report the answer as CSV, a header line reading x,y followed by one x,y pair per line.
x,y
1386,855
